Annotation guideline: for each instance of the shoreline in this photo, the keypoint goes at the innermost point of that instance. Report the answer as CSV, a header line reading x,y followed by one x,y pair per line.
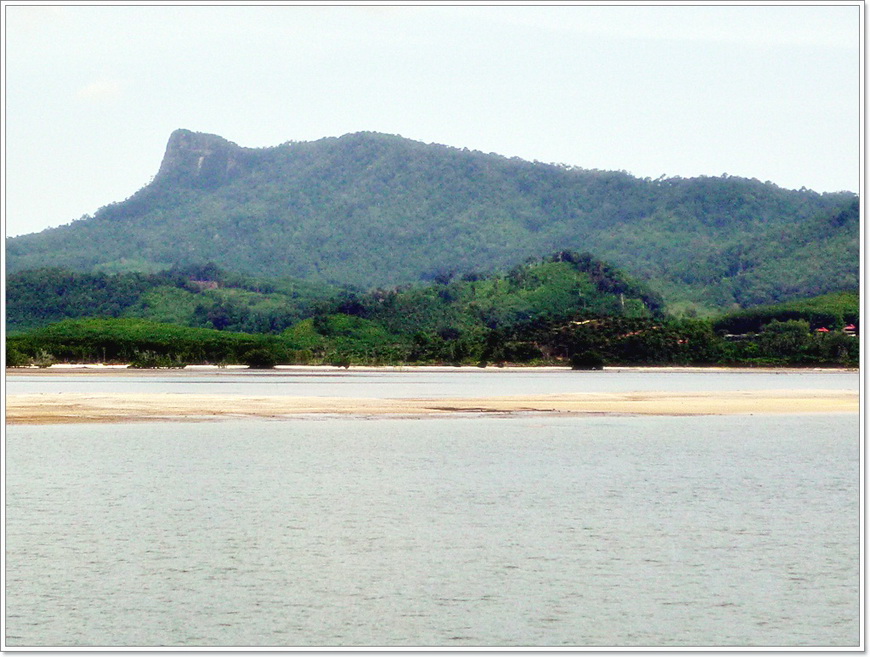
x,y
68,408
125,370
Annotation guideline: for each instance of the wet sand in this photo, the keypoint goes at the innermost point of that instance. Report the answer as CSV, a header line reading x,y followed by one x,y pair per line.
x,y
62,408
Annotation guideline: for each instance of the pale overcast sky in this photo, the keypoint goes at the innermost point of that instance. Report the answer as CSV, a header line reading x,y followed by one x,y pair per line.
x,y
92,93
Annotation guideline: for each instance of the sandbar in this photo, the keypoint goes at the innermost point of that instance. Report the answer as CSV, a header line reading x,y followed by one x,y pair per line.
x,y
63,408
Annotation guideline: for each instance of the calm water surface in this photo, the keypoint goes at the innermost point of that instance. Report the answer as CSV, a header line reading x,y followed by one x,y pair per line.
x,y
465,531
411,383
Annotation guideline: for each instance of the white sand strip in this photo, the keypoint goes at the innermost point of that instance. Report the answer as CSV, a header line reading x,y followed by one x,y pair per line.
x,y
56,408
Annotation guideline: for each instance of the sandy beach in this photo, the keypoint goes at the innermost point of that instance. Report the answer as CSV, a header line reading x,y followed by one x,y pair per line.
x,y
78,369
60,408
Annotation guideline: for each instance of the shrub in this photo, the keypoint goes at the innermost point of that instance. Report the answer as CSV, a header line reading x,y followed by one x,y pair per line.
x,y
144,360
15,358
43,359
588,360
337,360
259,359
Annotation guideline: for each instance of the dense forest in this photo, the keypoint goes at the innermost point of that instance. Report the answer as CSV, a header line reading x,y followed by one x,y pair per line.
x,y
196,296
568,308
371,210
208,297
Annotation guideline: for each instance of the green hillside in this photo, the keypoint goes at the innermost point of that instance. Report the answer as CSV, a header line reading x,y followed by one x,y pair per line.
x,y
579,340
373,210
207,297
569,309
206,315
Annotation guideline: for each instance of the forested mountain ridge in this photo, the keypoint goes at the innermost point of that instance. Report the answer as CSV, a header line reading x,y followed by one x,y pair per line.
x,y
369,209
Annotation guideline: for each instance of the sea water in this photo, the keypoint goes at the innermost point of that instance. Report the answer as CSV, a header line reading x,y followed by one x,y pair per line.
x,y
520,530
418,382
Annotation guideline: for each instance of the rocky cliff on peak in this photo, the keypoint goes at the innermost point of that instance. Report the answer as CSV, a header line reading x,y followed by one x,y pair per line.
x,y
201,160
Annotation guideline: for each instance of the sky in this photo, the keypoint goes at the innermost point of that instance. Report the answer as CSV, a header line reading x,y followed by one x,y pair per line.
x,y
92,93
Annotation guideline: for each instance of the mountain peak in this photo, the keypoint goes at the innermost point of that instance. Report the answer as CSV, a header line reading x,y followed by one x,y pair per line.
x,y
199,159
369,209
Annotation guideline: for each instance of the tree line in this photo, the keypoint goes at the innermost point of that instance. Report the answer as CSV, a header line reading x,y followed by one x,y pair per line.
x,y
568,309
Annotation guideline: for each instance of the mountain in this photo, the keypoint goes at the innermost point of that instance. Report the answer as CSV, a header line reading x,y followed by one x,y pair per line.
x,y
370,209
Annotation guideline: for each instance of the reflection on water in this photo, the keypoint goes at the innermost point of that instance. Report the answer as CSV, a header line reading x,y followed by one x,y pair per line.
x,y
516,531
